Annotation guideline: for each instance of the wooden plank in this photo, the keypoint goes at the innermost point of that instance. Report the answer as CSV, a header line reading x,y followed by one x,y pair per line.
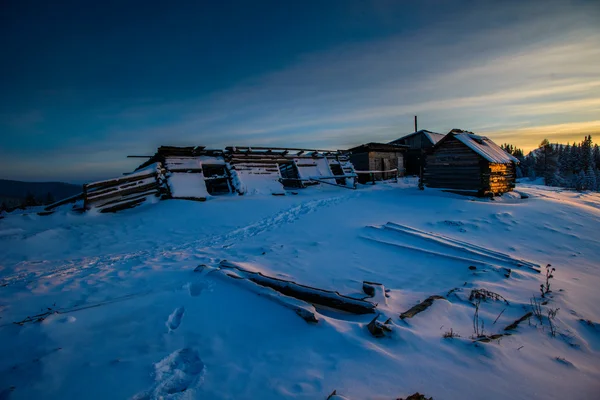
x,y
67,200
309,294
123,205
124,193
115,200
114,189
106,184
304,310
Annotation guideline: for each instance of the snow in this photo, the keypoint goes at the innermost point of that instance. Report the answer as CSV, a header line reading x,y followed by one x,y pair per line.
x,y
313,168
210,160
187,185
434,137
486,148
183,163
136,321
257,180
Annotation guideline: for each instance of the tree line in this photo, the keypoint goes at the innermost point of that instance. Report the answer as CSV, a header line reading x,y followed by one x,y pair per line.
x,y
28,201
575,166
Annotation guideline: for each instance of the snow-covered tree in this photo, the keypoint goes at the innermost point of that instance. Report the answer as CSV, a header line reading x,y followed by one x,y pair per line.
x,y
586,153
581,181
590,179
575,158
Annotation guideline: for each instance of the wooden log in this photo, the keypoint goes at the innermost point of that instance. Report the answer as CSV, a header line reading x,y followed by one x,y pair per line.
x,y
424,305
376,291
123,205
304,310
116,200
106,184
189,198
138,185
310,294
515,324
379,329
185,170
152,186
67,200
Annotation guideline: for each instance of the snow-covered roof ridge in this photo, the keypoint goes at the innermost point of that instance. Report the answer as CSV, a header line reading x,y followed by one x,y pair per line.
x,y
485,147
434,137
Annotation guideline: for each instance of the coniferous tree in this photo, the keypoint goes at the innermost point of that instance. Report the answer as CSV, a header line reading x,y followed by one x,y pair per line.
x,y
575,166
30,200
580,183
565,161
575,158
596,156
590,179
49,199
547,165
586,153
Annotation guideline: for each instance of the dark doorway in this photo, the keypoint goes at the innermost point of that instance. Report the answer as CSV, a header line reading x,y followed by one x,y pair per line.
x,y
216,179
336,170
290,177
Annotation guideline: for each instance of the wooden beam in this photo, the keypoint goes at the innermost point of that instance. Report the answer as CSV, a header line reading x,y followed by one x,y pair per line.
x,y
327,298
304,310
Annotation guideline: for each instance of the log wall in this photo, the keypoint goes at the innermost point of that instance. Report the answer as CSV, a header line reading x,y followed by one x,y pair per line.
x,y
453,165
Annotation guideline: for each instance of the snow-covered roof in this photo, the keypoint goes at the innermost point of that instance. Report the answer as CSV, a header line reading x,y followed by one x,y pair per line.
x,y
432,136
485,148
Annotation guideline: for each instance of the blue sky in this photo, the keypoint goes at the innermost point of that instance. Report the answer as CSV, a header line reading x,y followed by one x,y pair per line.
x,y
84,84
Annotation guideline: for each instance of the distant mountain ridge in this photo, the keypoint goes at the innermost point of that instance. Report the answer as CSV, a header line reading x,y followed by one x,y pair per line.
x,y
14,192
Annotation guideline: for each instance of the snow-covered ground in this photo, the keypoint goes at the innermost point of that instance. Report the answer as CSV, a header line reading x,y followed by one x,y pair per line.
x,y
135,321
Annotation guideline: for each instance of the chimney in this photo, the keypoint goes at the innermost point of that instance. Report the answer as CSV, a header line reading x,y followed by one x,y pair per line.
x,y
415,123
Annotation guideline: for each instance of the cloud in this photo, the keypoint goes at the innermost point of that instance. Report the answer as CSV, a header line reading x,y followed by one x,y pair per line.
x,y
513,76
530,137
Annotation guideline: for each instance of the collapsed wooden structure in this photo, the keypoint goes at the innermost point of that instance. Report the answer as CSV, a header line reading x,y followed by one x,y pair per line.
x,y
467,162
195,173
125,192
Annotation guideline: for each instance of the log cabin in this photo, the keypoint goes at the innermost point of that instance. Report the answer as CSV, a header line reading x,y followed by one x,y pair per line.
x,y
417,145
465,162
377,161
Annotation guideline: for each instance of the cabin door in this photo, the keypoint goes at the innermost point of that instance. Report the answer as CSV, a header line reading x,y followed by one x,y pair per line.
x,y
386,166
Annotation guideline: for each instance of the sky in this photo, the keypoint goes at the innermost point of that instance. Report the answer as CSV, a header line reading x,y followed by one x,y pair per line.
x,y
84,84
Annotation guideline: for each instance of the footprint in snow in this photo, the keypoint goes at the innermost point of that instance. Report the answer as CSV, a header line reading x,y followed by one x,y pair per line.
x,y
175,318
195,288
176,376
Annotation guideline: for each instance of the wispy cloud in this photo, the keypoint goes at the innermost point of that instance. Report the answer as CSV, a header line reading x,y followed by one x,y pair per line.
x,y
515,78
